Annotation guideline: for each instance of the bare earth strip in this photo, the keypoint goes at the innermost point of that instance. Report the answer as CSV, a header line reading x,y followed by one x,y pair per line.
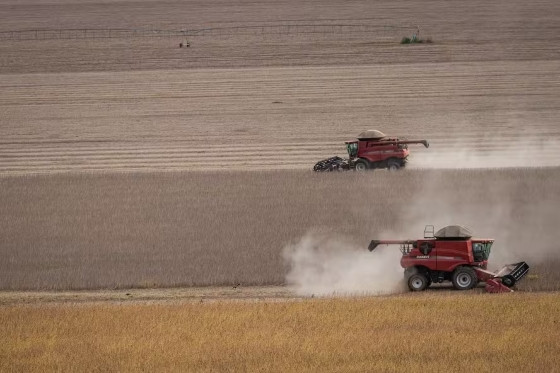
x,y
162,295
193,295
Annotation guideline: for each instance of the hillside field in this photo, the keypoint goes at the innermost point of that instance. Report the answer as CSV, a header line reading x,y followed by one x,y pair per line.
x,y
154,198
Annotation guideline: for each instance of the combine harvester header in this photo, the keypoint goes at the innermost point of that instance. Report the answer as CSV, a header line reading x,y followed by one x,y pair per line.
x,y
451,254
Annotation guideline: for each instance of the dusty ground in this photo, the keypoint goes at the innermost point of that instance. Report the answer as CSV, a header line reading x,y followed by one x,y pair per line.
x,y
162,295
474,31
182,295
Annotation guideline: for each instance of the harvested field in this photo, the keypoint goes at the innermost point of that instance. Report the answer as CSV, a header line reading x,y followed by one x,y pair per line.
x,y
285,118
282,99
474,31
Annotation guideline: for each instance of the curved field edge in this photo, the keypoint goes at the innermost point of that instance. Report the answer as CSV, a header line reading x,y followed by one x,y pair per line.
x,y
449,332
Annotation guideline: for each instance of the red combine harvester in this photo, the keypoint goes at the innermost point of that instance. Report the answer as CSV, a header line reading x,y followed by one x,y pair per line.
x,y
451,254
372,150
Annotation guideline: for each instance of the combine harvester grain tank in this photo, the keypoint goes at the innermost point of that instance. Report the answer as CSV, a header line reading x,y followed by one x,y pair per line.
x,y
452,254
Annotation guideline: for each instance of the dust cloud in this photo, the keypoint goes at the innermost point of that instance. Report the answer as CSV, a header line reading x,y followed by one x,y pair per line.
x,y
483,153
323,265
516,208
506,195
492,185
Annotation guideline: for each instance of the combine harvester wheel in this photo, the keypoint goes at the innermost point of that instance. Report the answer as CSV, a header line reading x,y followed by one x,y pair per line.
x,y
464,278
332,164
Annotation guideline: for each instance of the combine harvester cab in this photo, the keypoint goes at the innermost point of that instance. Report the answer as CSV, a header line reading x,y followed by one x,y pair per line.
x,y
372,150
451,254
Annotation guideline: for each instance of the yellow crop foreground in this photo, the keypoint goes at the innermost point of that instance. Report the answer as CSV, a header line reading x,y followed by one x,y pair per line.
x,y
436,332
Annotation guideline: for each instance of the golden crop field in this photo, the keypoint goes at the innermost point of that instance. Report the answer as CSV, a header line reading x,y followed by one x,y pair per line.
x,y
443,332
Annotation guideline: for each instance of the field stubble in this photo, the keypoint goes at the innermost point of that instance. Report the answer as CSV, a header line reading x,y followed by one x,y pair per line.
x,y
474,115
477,31
278,101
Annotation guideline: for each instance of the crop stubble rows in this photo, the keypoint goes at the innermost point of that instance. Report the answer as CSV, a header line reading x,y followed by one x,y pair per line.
x,y
277,101
273,118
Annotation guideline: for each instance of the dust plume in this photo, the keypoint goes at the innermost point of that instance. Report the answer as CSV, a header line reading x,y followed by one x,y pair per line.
x,y
499,152
516,207
323,265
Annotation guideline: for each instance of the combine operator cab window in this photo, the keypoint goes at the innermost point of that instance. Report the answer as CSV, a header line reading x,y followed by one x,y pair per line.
x,y
481,251
352,149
